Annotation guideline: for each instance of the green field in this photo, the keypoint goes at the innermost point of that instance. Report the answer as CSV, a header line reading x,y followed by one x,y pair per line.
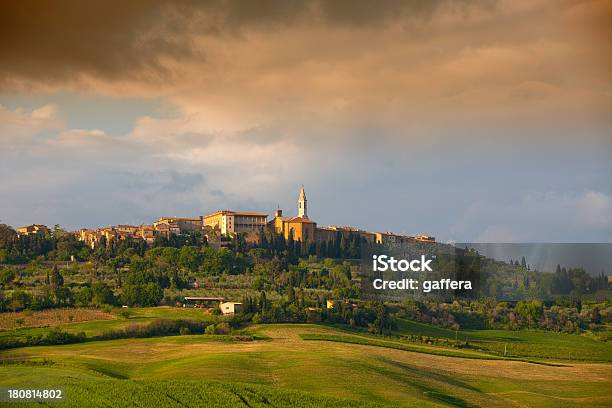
x,y
91,390
98,327
519,343
287,370
407,346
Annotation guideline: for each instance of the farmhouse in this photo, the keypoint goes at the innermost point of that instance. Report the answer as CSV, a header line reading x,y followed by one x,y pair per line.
x,y
230,307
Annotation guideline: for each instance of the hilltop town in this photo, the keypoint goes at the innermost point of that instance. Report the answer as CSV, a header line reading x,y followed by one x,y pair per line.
x,y
227,224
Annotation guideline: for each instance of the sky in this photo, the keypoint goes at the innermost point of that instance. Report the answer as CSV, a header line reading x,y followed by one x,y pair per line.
x,y
480,121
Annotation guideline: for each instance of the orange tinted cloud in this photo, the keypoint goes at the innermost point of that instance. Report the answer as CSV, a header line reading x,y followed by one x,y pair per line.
x,y
407,67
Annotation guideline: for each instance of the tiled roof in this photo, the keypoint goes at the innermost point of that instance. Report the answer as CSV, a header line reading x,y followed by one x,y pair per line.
x,y
229,212
300,219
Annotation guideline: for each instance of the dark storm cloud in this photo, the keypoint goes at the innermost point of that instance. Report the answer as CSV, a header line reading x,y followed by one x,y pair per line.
x,y
348,13
56,40
53,41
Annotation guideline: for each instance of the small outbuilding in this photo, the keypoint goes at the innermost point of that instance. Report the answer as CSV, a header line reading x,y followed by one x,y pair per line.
x,y
201,301
230,307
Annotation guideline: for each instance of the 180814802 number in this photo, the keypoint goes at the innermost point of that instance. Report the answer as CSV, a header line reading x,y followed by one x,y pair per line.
x,y
13,394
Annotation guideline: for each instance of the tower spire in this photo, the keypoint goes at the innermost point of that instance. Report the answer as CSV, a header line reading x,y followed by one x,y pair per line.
x,y
302,204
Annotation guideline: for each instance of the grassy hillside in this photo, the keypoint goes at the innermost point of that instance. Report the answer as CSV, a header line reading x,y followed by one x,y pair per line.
x,y
88,390
519,343
286,370
116,321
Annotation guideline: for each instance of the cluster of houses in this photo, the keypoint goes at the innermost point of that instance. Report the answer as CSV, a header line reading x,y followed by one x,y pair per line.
x,y
164,227
226,223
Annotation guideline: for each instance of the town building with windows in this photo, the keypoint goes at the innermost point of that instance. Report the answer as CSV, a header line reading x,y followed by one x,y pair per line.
x,y
180,225
425,238
334,231
33,229
392,238
90,237
236,222
146,232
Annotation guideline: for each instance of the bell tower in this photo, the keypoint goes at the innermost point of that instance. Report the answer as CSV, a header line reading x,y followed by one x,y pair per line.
x,y
302,204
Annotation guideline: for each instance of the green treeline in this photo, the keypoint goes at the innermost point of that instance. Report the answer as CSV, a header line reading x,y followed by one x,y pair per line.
x,y
282,280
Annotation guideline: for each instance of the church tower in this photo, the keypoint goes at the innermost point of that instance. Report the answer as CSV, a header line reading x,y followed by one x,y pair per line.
x,y
302,207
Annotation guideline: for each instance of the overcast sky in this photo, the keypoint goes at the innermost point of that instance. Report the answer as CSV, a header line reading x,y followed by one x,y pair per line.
x,y
484,121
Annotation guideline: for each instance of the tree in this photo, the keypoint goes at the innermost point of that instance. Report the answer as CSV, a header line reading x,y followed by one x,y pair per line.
x,y
382,323
102,294
7,275
153,294
8,244
56,283
189,258
63,296
249,305
56,280
83,297
130,294
8,236
19,300
264,304
291,294
149,294
596,315
530,310
43,300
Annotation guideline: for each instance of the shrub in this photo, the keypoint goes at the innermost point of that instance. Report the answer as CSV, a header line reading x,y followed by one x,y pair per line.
x,y
222,328
54,336
125,313
158,327
57,336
